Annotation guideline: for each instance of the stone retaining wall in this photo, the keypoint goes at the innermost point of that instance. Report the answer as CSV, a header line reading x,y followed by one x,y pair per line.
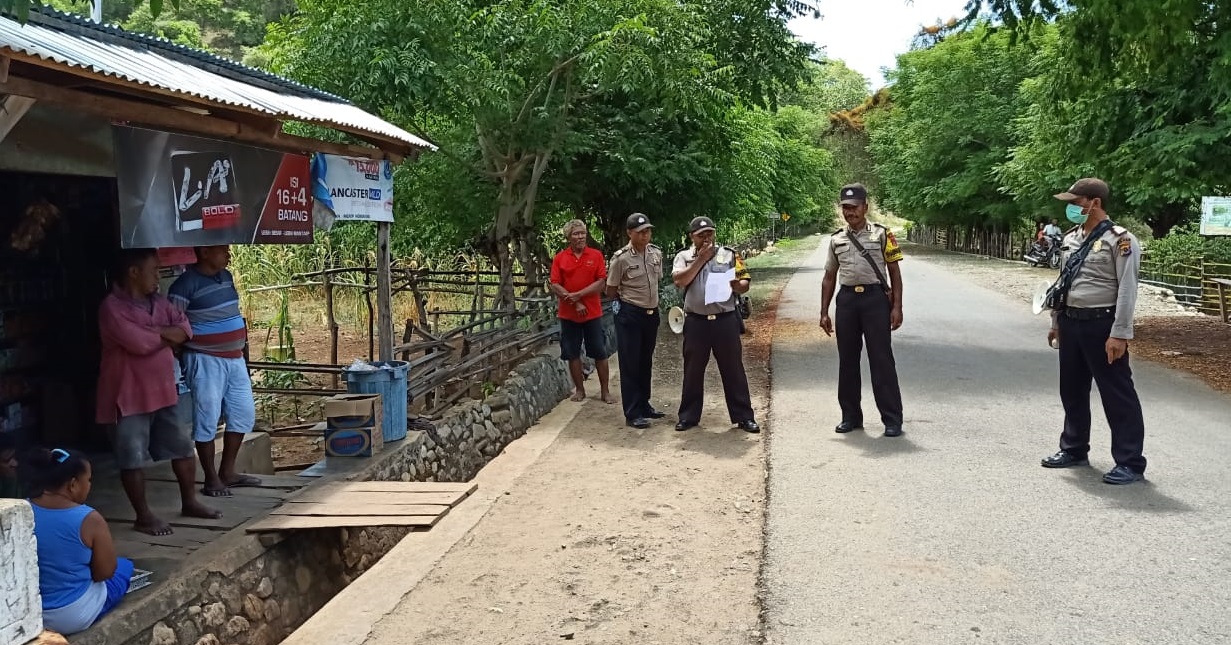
x,y
257,590
21,615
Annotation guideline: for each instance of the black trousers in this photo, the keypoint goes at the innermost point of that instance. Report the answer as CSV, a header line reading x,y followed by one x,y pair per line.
x,y
861,316
636,336
1083,357
719,337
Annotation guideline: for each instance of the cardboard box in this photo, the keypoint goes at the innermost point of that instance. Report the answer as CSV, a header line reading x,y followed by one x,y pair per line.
x,y
353,425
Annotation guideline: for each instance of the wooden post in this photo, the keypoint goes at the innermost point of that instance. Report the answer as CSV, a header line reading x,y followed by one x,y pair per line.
x,y
332,321
384,295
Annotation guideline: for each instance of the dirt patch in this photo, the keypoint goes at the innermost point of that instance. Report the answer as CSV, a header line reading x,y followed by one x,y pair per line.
x,y
617,535
1200,345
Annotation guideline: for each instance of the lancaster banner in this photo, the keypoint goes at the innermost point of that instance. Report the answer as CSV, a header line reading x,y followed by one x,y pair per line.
x,y
179,191
353,188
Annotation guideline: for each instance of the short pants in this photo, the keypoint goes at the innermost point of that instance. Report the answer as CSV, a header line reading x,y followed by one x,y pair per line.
x,y
155,436
572,334
221,386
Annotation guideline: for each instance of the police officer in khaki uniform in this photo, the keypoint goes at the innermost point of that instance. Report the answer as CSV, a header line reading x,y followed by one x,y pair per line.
x,y
712,327
1092,319
863,258
633,276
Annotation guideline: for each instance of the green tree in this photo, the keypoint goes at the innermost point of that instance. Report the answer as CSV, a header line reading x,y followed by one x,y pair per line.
x,y
948,127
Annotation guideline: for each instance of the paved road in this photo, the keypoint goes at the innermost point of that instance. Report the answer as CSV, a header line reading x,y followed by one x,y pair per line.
x,y
953,533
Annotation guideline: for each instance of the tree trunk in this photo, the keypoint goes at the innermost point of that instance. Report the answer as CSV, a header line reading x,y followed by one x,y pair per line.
x,y
1167,218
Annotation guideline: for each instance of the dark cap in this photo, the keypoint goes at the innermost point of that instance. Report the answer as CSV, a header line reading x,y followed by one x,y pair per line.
x,y
638,222
1089,187
699,224
853,194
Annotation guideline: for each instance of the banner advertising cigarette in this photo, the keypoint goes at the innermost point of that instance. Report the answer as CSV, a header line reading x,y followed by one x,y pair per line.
x,y
353,188
181,191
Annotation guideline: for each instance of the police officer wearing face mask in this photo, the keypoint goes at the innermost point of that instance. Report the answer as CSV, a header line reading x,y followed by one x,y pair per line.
x,y
863,259
712,325
1092,319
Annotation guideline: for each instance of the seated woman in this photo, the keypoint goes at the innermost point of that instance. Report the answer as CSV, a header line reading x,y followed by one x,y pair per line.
x,y
80,576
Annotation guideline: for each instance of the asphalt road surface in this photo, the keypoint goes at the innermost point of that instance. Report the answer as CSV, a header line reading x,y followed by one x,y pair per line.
x,y
953,533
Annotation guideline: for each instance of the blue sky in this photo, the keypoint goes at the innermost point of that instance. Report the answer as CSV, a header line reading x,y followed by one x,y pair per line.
x,y
868,34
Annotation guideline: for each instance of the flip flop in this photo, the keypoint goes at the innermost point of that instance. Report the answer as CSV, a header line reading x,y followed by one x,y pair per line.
x,y
244,481
216,492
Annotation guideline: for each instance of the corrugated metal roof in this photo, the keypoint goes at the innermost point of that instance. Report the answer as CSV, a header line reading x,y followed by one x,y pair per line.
x,y
71,41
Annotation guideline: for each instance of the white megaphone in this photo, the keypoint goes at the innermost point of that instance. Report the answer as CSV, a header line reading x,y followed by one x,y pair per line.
x,y
1040,297
675,318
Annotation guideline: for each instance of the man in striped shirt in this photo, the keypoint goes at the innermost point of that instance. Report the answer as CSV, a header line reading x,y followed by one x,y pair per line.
x,y
214,365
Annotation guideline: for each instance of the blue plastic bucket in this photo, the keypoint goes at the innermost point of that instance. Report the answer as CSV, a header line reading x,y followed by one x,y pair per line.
x,y
389,381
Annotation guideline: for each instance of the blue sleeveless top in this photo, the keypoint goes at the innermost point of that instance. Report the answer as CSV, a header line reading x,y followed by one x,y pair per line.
x,y
63,560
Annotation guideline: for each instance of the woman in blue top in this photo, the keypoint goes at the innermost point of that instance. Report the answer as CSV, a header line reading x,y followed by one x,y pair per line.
x,y
80,577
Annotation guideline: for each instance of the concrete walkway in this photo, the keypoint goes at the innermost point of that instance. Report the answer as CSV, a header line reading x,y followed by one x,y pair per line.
x,y
953,533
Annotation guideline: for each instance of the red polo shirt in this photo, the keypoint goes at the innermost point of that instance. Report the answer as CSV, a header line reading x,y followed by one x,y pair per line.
x,y
574,273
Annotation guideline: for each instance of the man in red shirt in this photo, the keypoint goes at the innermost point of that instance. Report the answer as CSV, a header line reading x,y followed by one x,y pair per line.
x,y
578,275
137,387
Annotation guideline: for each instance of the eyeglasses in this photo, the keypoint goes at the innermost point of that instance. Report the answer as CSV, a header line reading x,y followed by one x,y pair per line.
x,y
60,455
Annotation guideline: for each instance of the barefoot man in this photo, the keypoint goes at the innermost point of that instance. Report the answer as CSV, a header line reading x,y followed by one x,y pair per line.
x,y
137,386
578,275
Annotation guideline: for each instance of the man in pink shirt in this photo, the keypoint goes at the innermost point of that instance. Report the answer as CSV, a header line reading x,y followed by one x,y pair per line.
x,y
138,389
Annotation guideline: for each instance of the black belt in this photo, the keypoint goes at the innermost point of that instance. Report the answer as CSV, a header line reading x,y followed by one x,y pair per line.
x,y
624,304
1097,313
861,288
709,316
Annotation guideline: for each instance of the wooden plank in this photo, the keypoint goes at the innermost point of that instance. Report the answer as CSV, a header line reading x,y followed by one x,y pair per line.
x,y
291,523
381,499
347,510
384,297
403,487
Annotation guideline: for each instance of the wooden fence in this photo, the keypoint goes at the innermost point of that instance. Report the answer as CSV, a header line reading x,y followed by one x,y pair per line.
x,y
1193,284
995,243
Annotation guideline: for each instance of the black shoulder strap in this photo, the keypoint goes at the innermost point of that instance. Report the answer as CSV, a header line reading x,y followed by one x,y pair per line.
x,y
1057,296
868,256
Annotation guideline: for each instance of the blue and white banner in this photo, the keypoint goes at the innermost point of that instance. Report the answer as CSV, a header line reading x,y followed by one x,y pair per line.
x,y
353,188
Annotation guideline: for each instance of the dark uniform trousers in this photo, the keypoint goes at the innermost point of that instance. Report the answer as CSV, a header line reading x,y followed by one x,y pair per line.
x,y
719,336
636,336
858,316
1083,356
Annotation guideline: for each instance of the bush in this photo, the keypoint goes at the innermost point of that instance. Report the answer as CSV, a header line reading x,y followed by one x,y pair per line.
x,y
1184,245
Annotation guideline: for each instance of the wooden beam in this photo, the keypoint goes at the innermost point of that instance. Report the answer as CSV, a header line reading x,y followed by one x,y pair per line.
x,y
136,113
5,61
12,108
384,295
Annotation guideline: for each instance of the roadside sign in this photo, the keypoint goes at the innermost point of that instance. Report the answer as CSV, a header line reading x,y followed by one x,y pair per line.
x,y
775,216
1216,215
786,217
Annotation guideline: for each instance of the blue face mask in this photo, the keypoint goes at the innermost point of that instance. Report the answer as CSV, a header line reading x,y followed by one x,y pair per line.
x,y
1075,214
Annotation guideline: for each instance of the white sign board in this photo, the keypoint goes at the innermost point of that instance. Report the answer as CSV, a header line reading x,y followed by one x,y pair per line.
x,y
354,188
1216,215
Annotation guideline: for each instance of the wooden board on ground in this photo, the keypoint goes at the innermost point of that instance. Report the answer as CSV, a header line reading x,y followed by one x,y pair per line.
x,y
162,473
344,504
350,510
294,522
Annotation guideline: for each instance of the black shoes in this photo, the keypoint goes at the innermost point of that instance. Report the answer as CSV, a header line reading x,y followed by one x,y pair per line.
x,y
1121,475
893,431
654,414
749,426
848,426
640,423
1065,459
684,425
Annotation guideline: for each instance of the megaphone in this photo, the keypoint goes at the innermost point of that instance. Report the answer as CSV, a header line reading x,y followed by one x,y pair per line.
x,y
675,318
1040,297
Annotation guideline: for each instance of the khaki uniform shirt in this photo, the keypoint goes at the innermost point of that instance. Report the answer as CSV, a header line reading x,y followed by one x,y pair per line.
x,y
1108,278
852,269
636,275
694,294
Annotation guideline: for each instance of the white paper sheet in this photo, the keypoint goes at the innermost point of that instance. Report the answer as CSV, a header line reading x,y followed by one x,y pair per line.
x,y
718,286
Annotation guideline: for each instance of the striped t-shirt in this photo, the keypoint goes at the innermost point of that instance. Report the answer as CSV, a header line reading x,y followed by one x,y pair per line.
x,y
212,306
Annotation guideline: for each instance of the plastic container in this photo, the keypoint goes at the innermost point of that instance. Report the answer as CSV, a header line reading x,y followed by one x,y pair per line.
x,y
389,381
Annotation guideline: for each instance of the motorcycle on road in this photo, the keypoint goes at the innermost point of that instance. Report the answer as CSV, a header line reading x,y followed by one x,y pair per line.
x,y
1044,252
